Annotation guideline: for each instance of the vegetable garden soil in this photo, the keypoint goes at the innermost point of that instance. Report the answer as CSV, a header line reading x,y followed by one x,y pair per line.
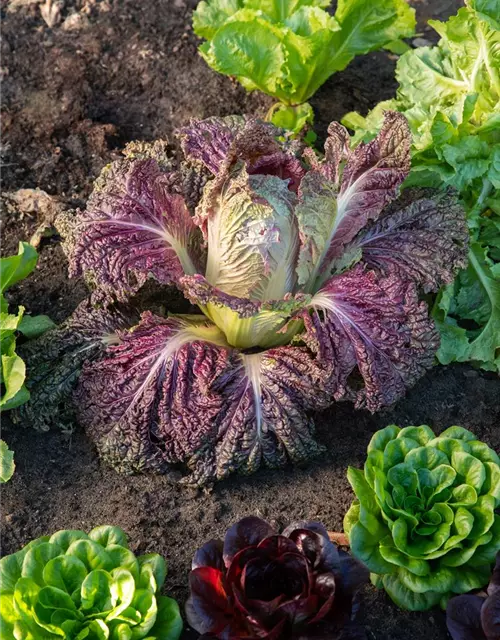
x,y
112,71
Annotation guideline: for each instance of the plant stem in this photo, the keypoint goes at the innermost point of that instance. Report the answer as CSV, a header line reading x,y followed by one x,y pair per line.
x,y
485,192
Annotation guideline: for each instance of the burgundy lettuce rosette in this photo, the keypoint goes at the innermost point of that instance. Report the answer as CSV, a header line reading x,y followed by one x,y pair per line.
x,y
259,584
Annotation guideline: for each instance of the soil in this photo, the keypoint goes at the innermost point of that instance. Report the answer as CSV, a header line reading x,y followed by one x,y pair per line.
x,y
71,99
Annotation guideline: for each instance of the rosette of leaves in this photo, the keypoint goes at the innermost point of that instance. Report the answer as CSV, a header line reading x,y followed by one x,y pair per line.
x,y
450,94
305,273
424,518
289,49
476,616
76,586
261,584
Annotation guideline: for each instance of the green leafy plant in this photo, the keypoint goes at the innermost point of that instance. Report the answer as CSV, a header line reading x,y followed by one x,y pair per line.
x,y
13,371
7,465
424,519
74,586
450,95
289,49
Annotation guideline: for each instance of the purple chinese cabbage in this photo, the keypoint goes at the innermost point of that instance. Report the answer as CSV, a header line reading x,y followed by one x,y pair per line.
x,y
258,261
306,272
149,403
413,234
56,358
209,141
219,143
264,420
244,322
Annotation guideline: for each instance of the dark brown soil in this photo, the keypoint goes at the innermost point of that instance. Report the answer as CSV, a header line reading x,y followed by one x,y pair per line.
x,y
71,100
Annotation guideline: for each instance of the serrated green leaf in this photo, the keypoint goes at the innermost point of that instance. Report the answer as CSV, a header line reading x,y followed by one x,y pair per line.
x,y
293,119
209,16
289,49
250,48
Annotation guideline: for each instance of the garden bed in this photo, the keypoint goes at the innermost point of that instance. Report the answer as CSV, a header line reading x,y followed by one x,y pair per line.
x,y
72,98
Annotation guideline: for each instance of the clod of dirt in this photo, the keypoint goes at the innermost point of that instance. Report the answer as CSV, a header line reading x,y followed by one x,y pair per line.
x,y
50,11
38,203
14,5
75,22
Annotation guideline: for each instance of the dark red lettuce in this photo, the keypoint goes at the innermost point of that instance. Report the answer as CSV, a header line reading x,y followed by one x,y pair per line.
x,y
260,584
476,616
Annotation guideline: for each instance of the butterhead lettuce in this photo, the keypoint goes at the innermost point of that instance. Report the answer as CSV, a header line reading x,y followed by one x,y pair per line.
x,y
73,585
424,519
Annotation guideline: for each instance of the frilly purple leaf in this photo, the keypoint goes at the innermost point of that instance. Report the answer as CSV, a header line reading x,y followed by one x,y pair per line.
x,y
412,236
265,419
173,392
209,141
376,327
220,143
149,403
335,203
56,358
134,227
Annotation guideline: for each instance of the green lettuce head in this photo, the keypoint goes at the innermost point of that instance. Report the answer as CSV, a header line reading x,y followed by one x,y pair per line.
x,y
424,520
74,586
